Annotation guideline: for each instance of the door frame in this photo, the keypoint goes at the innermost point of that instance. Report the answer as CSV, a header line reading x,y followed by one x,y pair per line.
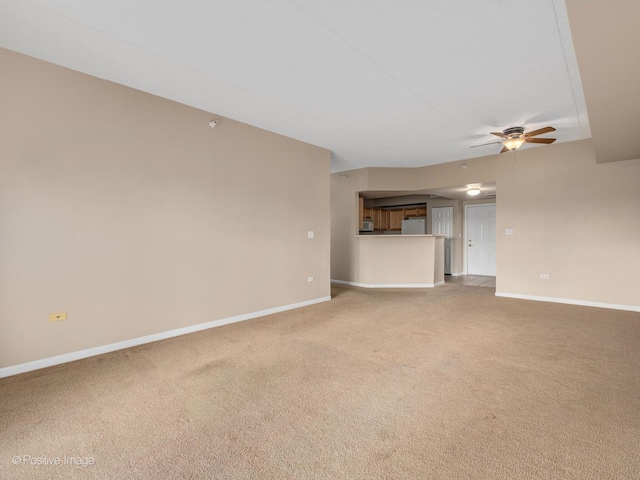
x,y
465,240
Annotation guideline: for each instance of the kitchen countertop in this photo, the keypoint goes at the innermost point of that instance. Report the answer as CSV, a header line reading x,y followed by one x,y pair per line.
x,y
397,235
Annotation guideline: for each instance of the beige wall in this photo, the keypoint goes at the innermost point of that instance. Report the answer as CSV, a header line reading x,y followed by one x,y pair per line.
x,y
609,72
400,259
128,212
573,219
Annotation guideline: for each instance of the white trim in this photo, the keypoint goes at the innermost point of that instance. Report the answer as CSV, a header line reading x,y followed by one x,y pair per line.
x,y
90,352
584,303
388,285
459,274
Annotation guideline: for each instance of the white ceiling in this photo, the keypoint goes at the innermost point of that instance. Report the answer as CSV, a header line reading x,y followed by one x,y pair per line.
x,y
380,83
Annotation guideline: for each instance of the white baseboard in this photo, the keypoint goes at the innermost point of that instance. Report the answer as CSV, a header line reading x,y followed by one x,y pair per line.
x,y
583,303
388,285
459,274
91,352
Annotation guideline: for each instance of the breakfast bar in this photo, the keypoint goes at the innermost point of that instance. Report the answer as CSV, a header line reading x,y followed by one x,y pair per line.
x,y
399,261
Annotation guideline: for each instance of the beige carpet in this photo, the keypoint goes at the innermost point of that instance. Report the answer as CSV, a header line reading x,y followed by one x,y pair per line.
x,y
449,383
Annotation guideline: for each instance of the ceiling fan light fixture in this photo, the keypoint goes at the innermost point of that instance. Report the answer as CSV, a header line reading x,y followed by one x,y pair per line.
x,y
513,143
514,137
473,192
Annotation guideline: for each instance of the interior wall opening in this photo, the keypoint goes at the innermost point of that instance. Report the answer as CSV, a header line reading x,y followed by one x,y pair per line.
x,y
438,211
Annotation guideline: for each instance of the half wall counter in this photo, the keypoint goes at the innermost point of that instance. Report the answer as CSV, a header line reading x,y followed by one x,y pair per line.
x,y
398,261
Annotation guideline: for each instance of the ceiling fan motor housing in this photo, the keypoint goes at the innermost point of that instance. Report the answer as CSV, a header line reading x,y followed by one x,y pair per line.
x,y
514,132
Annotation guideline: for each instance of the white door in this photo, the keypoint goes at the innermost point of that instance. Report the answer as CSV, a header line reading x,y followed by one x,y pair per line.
x,y
481,239
442,222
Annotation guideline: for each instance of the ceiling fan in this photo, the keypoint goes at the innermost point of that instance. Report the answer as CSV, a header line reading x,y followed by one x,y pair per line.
x,y
514,137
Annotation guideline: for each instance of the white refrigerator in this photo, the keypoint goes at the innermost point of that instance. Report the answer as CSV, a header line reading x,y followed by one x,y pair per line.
x,y
414,226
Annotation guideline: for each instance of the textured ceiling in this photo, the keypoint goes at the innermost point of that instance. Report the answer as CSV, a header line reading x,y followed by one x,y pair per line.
x,y
380,83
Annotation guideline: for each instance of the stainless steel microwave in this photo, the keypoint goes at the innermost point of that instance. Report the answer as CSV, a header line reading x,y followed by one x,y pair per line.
x,y
367,226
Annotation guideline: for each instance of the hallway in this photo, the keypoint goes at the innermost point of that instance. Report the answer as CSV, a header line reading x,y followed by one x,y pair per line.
x,y
471,280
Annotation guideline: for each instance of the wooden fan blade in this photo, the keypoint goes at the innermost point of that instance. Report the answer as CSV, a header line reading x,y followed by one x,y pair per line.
x,y
505,149
540,140
498,134
483,144
540,131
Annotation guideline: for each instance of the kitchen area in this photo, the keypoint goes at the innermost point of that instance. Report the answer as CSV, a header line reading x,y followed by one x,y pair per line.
x,y
440,236
394,249
407,219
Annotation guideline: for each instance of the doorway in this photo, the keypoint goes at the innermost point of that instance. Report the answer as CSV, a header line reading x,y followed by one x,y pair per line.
x,y
480,232
442,224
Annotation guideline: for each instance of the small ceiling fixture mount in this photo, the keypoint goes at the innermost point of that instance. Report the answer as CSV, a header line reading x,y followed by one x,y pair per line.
x,y
213,123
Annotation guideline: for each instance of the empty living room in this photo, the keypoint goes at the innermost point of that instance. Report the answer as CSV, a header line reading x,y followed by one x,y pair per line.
x,y
319,240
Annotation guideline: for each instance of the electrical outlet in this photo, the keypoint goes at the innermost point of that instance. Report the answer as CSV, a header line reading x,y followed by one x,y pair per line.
x,y
310,234
54,317
309,279
544,276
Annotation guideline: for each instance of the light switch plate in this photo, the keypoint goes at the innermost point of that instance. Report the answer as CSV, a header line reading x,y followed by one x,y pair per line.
x,y
54,317
508,231
310,234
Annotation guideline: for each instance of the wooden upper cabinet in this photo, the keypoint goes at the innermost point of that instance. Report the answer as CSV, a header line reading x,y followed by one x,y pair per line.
x,y
384,219
410,212
395,219
380,219
415,212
